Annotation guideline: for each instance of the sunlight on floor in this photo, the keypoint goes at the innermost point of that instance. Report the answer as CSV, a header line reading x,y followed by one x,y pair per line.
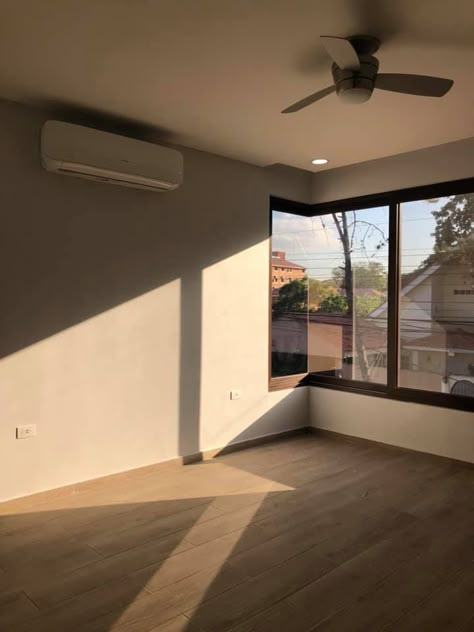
x,y
244,505
203,531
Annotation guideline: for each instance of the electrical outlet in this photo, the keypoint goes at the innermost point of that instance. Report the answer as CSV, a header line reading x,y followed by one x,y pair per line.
x,y
235,394
26,431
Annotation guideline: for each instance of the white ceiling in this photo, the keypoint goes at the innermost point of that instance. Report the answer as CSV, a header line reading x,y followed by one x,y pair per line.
x,y
215,74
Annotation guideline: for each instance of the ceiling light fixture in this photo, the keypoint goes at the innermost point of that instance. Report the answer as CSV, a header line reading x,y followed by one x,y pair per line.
x,y
320,161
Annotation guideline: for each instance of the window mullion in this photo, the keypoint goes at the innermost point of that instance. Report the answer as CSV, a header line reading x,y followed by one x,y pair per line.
x,y
393,297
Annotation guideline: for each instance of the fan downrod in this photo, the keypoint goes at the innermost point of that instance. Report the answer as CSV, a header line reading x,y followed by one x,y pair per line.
x,y
364,44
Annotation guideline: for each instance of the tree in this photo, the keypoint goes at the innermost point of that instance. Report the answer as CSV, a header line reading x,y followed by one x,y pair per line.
x,y
292,297
335,304
365,275
454,236
318,291
346,235
365,305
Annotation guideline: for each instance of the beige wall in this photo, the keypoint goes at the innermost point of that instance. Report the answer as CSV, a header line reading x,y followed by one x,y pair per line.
x,y
451,161
426,428
126,318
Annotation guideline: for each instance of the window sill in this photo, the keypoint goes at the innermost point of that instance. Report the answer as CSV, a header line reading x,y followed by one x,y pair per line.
x,y
409,395
287,381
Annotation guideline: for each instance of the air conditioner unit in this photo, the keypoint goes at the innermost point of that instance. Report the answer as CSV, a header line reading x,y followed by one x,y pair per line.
x,y
89,153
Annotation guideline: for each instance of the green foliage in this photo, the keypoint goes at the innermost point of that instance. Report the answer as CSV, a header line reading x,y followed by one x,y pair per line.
x,y
318,291
337,304
365,275
365,305
292,297
454,242
334,304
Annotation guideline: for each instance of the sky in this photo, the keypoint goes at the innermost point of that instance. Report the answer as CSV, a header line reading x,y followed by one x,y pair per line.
x,y
313,241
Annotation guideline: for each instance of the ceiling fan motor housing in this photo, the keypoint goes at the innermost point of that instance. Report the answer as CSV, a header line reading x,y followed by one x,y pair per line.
x,y
356,86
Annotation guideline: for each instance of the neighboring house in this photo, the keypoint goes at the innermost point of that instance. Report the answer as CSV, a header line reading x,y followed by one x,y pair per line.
x,y
436,327
416,297
284,271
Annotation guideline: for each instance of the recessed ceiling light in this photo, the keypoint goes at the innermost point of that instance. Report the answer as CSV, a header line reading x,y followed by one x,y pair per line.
x,y
320,161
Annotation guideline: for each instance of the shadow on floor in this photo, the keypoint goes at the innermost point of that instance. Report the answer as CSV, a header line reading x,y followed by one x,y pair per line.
x,y
215,543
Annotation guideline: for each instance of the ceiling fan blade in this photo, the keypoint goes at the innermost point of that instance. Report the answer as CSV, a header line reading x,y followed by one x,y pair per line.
x,y
413,84
341,52
316,96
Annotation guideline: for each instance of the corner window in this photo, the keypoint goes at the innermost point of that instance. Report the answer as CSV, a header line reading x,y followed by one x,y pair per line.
x,y
378,294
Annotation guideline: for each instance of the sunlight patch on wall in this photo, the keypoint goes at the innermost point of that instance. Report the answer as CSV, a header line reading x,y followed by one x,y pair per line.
x,y
235,334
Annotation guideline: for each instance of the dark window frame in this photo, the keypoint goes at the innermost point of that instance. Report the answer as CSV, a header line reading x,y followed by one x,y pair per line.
x,y
392,199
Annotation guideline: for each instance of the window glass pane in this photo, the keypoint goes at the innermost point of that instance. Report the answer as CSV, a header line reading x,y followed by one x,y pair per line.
x,y
347,268
289,286
329,312
437,295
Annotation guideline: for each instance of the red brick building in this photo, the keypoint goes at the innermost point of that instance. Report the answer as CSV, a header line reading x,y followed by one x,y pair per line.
x,y
284,271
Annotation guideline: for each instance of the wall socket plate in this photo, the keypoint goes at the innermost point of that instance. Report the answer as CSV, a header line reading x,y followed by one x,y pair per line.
x,y
235,394
26,431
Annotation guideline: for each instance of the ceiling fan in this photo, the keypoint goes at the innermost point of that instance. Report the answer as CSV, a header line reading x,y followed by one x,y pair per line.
x,y
355,74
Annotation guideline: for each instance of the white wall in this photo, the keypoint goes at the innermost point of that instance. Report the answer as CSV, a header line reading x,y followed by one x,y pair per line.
x,y
426,428
443,163
127,316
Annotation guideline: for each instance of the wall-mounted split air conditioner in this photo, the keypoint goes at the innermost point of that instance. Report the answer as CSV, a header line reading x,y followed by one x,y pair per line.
x,y
89,153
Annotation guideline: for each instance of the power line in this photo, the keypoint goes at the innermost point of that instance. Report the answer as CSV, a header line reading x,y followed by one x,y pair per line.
x,y
378,224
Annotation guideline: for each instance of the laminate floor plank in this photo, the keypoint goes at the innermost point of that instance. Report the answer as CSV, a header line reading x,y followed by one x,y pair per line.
x,y
225,610
179,624
468,626
15,607
316,601
169,602
402,590
314,532
447,609
54,589
76,613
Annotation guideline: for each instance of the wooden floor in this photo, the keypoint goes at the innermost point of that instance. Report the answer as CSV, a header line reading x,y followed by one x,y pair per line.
x,y
311,533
